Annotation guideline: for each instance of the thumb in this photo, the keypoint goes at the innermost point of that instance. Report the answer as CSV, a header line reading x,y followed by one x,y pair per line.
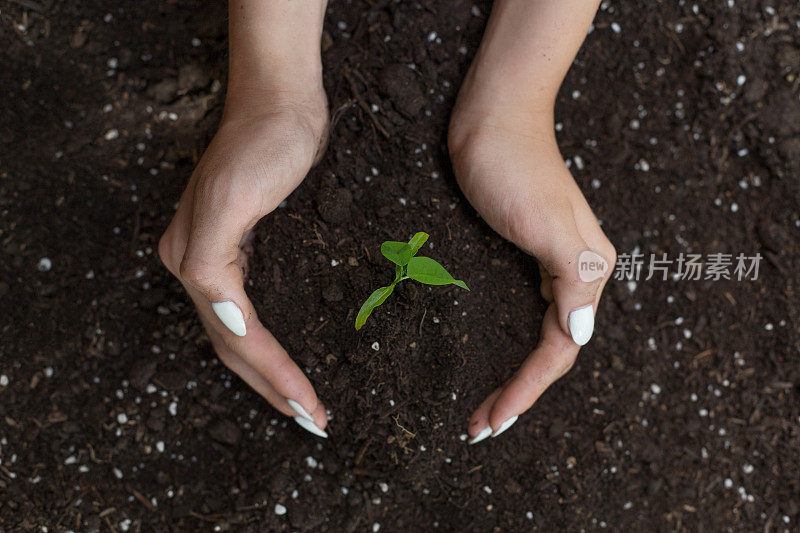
x,y
210,264
577,272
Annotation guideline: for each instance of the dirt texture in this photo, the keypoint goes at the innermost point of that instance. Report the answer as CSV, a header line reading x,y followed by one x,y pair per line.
x,y
681,124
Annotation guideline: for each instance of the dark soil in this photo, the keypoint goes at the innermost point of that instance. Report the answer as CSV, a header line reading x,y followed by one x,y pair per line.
x,y
681,414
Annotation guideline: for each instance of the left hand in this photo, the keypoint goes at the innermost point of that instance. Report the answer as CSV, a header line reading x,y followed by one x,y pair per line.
x,y
260,153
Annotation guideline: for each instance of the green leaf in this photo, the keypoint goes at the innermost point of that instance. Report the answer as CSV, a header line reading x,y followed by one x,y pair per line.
x,y
397,252
461,284
417,241
426,270
375,299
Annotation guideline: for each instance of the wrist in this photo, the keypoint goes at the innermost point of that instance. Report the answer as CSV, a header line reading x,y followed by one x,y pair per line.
x,y
478,117
307,111
524,55
280,96
275,86
275,56
279,70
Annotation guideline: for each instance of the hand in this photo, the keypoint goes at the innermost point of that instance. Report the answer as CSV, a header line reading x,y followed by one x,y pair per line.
x,y
511,171
260,154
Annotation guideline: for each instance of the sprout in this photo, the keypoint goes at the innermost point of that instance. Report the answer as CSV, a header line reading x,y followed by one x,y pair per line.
x,y
407,266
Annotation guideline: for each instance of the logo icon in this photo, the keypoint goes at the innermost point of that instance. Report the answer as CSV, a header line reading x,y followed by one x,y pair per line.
x,y
591,266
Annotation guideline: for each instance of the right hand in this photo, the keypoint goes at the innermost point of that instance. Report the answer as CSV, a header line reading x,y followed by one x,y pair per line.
x,y
513,173
259,155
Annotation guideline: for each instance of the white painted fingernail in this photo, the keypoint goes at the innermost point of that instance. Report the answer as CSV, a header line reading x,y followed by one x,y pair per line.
x,y
581,324
230,315
299,409
485,432
505,425
310,426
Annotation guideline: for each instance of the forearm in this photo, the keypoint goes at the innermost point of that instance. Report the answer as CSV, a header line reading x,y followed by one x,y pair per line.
x,y
527,48
274,47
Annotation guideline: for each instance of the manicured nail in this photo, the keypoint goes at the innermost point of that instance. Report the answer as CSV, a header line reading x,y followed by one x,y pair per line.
x,y
485,432
299,409
230,315
310,426
505,425
581,324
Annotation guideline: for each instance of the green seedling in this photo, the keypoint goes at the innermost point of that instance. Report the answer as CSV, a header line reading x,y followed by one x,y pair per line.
x,y
407,266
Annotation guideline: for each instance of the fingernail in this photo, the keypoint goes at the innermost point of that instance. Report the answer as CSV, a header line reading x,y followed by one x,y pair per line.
x,y
230,315
505,425
581,324
310,426
299,409
485,432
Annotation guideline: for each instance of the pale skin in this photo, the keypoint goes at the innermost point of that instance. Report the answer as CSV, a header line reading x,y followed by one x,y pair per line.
x,y
504,152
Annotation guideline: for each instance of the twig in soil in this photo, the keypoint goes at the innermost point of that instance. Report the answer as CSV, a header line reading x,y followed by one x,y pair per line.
x,y
137,226
375,141
703,355
424,312
144,501
363,104
362,451
674,38
253,507
395,417
212,518
413,139
319,239
93,456
337,115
